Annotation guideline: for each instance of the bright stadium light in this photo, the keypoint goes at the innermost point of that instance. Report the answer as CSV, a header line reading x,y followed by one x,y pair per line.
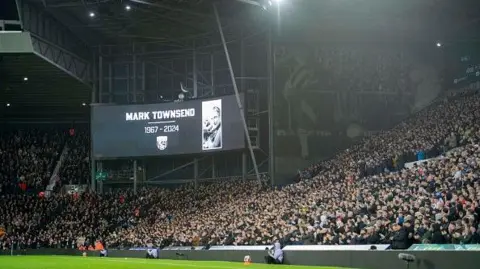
x,y
91,14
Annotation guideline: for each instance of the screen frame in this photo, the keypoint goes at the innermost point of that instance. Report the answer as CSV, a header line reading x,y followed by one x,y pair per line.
x,y
241,95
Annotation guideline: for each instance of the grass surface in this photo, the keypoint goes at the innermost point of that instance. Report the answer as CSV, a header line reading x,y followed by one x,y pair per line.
x,y
68,262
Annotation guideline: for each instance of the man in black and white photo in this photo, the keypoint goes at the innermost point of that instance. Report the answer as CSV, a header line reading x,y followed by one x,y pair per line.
x,y
212,124
275,254
152,253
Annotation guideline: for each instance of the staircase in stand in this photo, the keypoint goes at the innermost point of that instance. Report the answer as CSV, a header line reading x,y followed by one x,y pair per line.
x,y
54,178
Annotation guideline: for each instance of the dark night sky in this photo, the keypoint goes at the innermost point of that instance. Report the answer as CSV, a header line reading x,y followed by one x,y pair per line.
x,y
8,10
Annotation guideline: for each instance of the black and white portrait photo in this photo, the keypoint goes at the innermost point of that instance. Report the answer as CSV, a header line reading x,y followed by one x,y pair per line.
x,y
212,124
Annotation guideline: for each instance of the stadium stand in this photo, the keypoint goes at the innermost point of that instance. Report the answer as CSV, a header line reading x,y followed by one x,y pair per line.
x,y
27,158
75,169
362,196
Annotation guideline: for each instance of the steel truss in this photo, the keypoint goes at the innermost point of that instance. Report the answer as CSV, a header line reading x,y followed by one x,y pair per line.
x,y
53,42
152,72
62,59
138,77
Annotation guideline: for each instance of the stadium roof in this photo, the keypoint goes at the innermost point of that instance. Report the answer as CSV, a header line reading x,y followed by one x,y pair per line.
x,y
159,23
177,23
172,21
34,85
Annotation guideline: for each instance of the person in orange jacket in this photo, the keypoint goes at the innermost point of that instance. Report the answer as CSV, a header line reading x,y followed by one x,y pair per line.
x,y
99,246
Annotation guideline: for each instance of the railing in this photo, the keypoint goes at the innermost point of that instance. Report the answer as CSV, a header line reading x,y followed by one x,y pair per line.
x,y
9,26
263,176
54,178
71,189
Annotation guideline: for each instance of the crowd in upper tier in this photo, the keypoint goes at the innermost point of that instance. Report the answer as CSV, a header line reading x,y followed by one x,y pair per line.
x,y
363,195
27,158
75,168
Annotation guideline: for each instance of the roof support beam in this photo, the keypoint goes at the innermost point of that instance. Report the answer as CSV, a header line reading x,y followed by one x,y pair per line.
x,y
250,2
166,7
62,59
20,11
155,16
54,43
77,4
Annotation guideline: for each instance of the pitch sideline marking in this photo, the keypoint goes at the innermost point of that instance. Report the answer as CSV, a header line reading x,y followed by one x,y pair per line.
x,y
158,262
150,262
171,264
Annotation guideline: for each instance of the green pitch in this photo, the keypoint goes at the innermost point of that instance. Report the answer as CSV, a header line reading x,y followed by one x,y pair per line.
x,y
68,262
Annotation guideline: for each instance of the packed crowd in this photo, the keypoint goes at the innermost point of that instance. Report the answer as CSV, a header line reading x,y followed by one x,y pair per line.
x,y
387,69
63,221
75,168
361,196
27,158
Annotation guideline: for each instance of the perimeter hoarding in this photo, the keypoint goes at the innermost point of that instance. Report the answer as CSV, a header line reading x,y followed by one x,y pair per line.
x,y
189,127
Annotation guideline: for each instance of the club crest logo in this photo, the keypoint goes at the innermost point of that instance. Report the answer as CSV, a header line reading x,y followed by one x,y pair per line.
x,y
162,142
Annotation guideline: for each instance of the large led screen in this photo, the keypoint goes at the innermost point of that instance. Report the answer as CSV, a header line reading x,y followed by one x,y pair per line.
x,y
188,127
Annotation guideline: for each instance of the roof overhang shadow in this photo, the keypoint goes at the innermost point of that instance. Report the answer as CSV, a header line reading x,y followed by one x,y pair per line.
x,y
32,88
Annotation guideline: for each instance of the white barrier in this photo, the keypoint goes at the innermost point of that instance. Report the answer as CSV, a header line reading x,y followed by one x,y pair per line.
x,y
333,247
240,247
410,164
290,247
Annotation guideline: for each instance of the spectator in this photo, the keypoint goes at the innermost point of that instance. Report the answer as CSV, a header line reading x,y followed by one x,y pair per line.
x,y
354,198
75,169
27,158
